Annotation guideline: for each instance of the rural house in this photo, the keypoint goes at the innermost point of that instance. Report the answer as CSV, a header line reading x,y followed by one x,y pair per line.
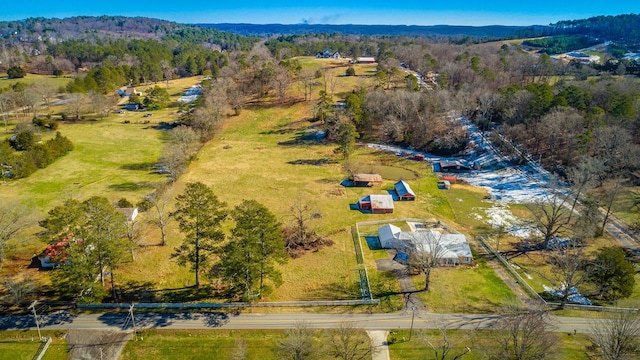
x,y
377,203
326,54
365,60
134,107
366,180
453,248
404,191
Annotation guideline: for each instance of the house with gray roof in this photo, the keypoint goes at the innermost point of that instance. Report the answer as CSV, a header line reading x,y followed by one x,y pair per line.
x,y
453,249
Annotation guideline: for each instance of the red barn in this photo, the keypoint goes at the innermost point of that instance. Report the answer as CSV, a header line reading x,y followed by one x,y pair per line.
x,y
377,203
404,191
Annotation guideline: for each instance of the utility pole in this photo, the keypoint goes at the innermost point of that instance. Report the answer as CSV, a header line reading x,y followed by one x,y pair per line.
x,y
35,316
413,315
133,322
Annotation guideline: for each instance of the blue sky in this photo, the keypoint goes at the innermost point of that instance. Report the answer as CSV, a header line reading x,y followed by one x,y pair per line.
x,y
407,12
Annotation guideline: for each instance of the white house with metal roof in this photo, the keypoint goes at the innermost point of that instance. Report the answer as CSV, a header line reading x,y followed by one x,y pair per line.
x,y
453,249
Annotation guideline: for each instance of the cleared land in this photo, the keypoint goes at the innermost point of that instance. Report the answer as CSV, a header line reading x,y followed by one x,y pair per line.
x,y
267,153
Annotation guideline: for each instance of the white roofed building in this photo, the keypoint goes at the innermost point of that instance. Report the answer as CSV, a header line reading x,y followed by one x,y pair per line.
x,y
453,249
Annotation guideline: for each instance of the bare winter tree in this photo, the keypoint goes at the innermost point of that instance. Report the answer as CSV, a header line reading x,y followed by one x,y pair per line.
x,y
424,256
442,346
348,343
282,80
617,334
569,268
18,289
160,200
173,161
307,80
14,217
330,81
6,104
167,71
298,343
299,236
612,188
76,105
550,216
524,335
133,235
101,104
583,176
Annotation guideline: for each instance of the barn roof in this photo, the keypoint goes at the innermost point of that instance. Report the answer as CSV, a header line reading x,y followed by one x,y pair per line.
x,y
379,201
367,178
452,245
403,189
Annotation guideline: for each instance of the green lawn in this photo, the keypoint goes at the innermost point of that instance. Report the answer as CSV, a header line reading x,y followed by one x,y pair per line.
x,y
210,344
205,344
48,80
462,289
25,344
570,347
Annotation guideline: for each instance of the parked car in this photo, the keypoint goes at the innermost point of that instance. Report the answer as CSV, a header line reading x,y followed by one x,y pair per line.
x,y
120,111
147,115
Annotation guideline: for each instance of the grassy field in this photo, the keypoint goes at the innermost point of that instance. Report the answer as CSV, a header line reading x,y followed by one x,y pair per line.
x,y
573,347
47,80
210,344
25,344
475,289
267,153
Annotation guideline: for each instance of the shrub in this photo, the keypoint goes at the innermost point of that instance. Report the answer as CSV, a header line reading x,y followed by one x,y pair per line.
x,y
16,72
124,203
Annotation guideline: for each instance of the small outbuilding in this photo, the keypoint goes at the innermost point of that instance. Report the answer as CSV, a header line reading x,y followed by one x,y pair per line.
x,y
367,180
377,203
365,60
444,185
451,166
404,191
450,178
134,107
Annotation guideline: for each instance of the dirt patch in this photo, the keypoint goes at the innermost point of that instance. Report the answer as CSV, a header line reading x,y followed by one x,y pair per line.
x,y
97,344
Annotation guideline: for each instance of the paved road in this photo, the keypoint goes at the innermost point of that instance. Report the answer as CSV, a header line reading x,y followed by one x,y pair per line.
x,y
116,321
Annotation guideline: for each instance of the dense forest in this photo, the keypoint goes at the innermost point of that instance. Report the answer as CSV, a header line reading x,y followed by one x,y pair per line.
x,y
436,31
624,29
561,43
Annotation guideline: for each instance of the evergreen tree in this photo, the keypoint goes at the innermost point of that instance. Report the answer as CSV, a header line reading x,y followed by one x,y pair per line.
x,y
255,246
95,231
612,273
199,214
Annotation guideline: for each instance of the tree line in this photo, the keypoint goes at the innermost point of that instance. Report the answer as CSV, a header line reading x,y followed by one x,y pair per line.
x,y
90,238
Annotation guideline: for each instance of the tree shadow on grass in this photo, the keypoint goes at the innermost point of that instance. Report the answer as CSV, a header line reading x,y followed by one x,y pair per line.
x,y
314,162
133,291
337,290
143,166
373,242
132,186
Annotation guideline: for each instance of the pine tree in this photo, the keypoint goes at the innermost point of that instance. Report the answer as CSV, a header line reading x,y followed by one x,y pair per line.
x,y
199,214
